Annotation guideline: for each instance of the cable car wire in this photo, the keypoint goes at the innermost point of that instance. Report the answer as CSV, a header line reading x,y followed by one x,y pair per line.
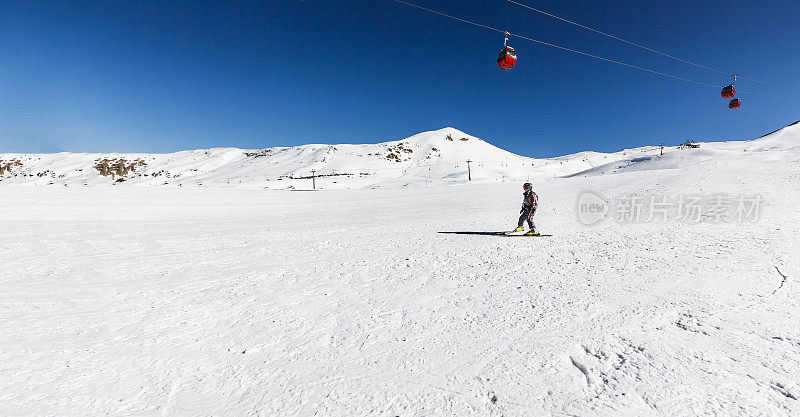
x,y
580,52
555,46
766,83
767,95
614,37
447,15
612,60
642,46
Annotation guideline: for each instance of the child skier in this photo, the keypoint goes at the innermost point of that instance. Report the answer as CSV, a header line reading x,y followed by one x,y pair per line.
x,y
529,203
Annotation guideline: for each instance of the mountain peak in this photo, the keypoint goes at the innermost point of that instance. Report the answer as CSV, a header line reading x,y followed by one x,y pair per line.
x,y
441,135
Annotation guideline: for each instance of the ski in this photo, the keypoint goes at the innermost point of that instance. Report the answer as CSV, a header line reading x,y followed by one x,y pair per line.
x,y
493,234
522,233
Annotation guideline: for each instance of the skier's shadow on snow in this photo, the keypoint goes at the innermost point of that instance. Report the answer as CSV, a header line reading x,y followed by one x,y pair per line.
x,y
476,233
491,234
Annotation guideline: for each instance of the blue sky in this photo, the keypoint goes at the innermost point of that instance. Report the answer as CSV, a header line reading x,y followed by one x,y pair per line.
x,y
153,76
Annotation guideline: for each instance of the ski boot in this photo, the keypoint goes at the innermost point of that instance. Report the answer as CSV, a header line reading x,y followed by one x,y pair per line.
x,y
518,229
532,232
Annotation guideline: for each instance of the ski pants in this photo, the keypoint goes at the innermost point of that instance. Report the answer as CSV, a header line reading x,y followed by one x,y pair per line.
x,y
527,214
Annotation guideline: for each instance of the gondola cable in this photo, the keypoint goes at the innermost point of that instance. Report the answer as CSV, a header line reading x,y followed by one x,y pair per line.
x,y
506,33
642,46
553,45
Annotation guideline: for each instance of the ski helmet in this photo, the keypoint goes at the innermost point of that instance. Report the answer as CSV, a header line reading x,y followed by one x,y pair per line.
x,y
527,186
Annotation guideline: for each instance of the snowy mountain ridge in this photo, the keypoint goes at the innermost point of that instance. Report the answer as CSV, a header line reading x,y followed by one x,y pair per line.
x,y
439,156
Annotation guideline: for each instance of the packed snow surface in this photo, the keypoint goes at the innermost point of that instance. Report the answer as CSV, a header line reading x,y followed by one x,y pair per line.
x,y
223,301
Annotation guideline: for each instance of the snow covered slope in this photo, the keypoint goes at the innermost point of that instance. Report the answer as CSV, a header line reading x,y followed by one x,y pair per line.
x,y
145,301
427,158
781,144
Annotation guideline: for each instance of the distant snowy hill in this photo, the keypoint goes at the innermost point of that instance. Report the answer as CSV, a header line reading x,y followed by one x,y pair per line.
x,y
785,139
431,157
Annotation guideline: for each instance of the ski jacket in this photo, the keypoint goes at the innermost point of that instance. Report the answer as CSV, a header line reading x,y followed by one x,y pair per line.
x,y
530,200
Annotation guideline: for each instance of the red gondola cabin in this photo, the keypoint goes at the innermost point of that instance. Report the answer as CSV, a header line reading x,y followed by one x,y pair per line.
x,y
734,104
729,92
507,58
